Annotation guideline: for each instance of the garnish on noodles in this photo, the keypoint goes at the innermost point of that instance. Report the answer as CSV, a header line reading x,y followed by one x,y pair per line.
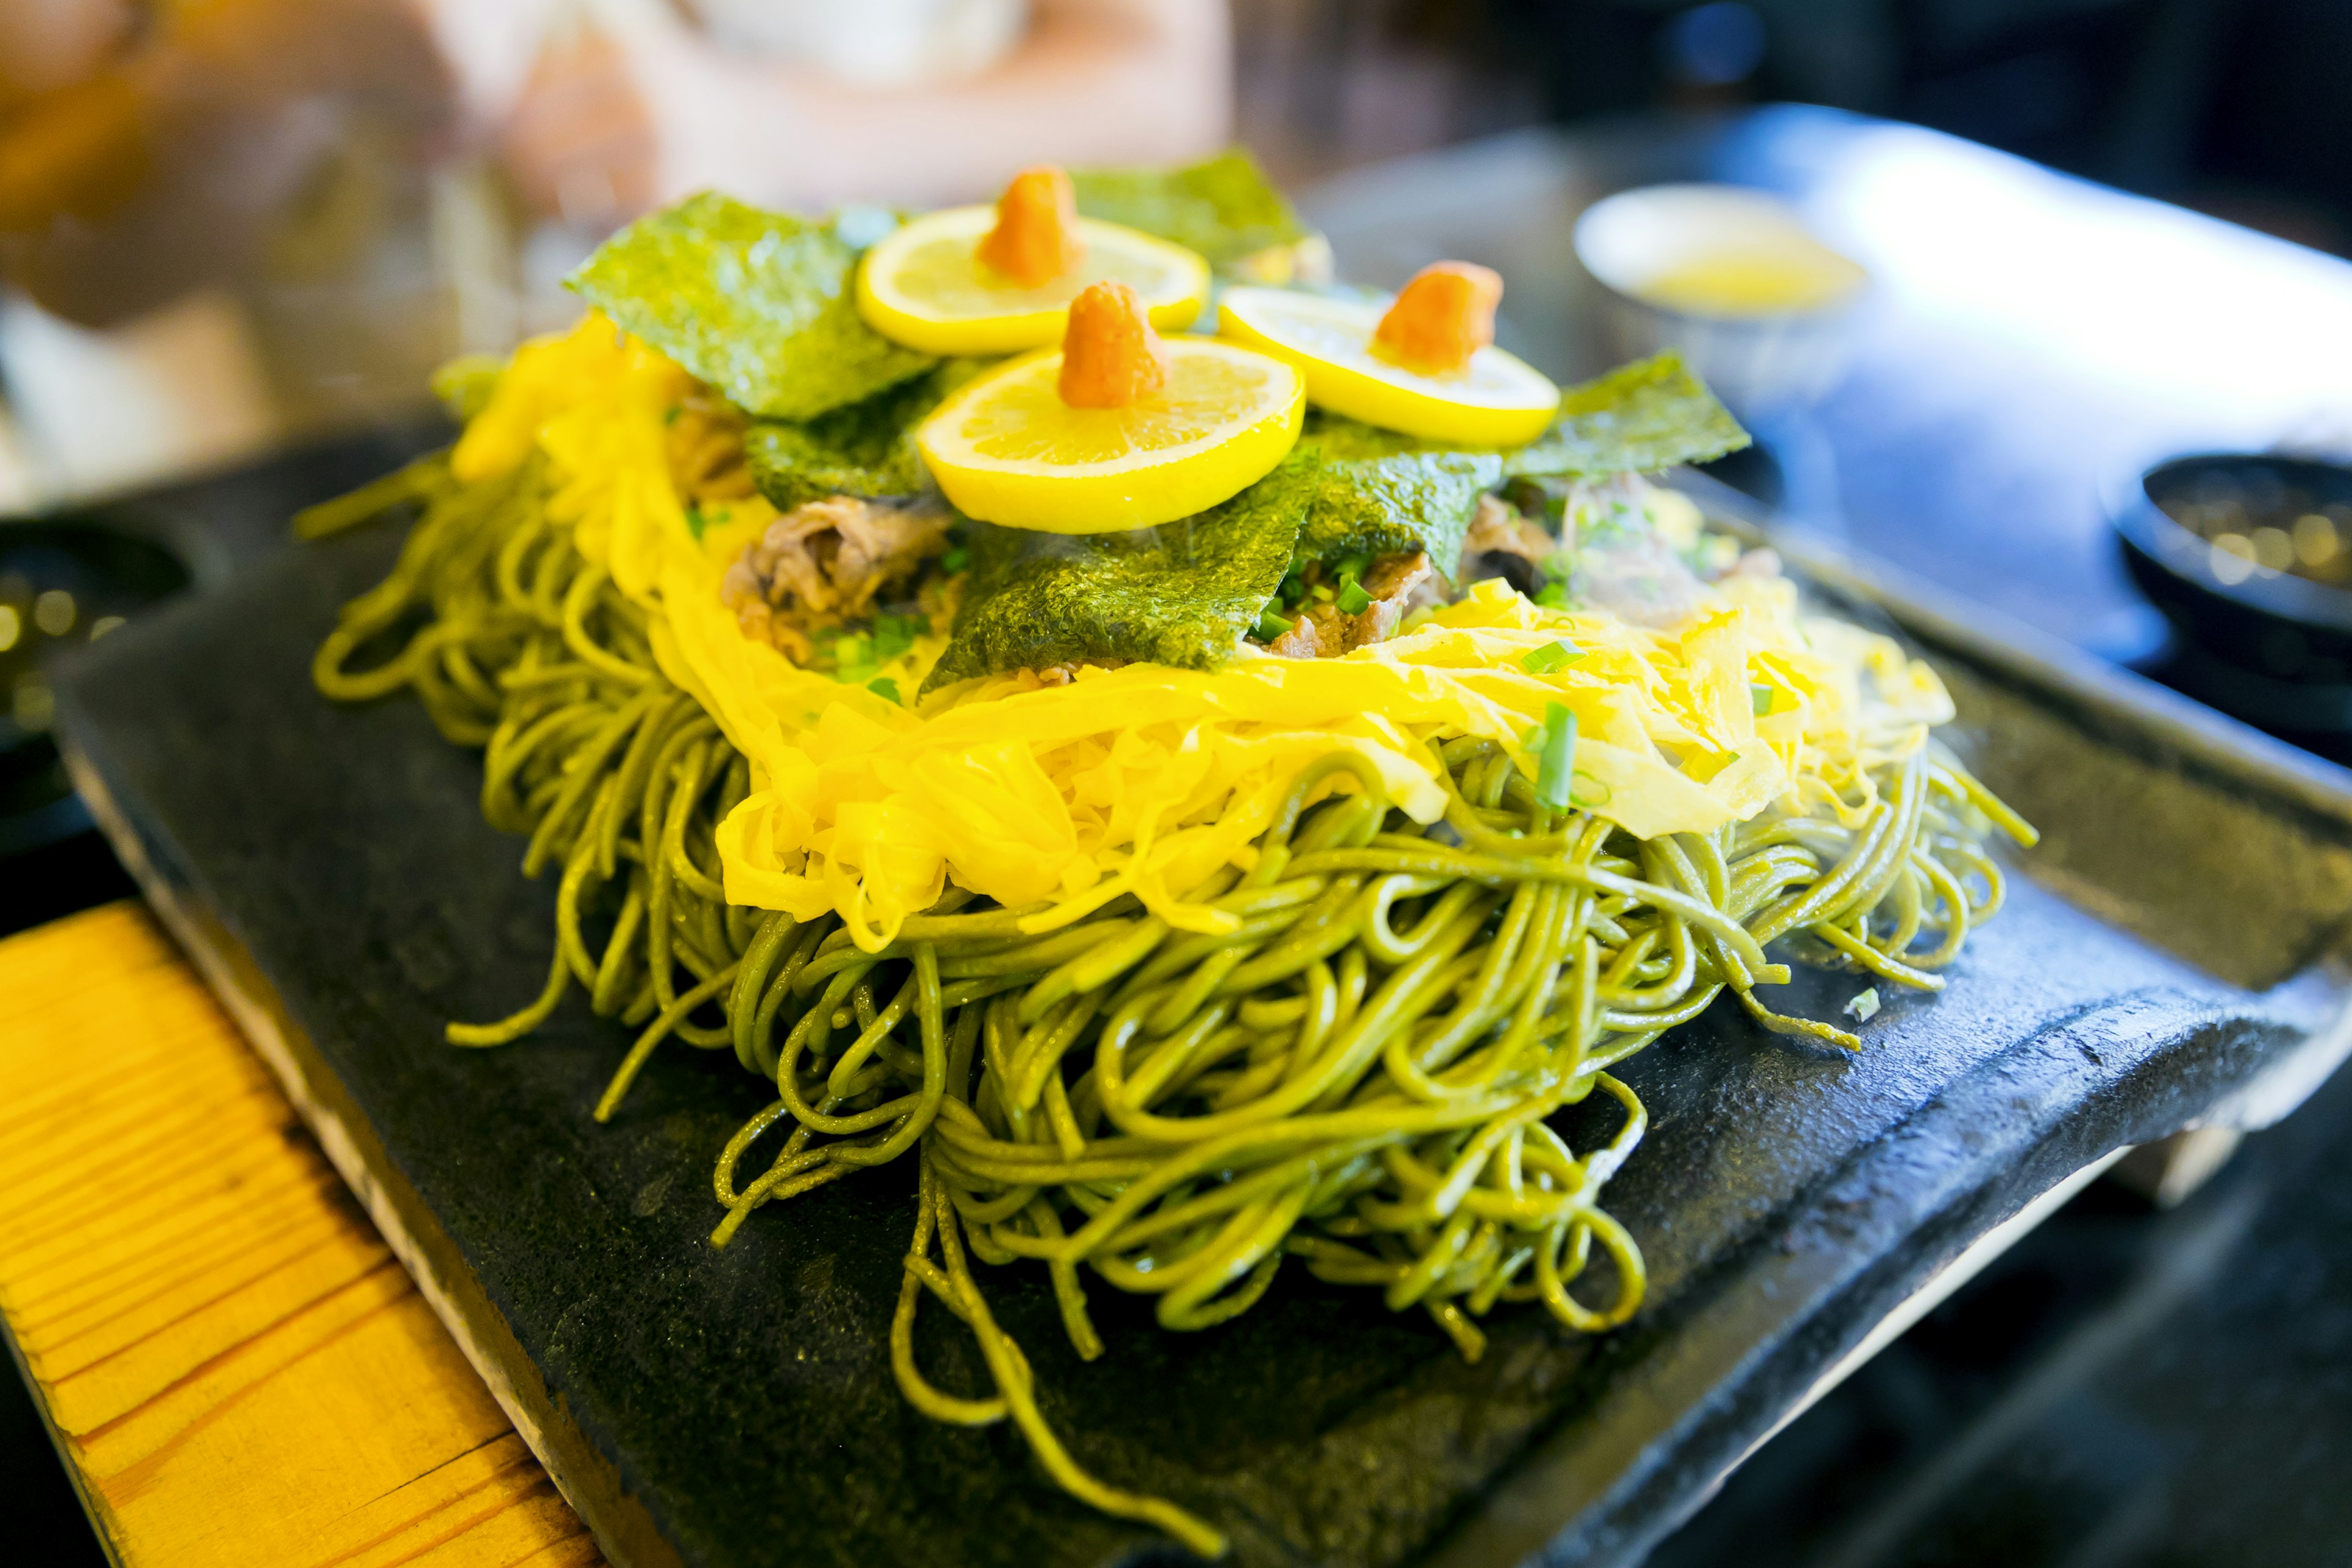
x,y
1182,902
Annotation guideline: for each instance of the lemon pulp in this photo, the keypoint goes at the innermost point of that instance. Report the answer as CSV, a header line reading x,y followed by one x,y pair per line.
x,y
925,286
1497,400
1007,449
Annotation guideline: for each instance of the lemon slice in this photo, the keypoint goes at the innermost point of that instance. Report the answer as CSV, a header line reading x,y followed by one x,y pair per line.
x,y
925,287
1005,449
1499,400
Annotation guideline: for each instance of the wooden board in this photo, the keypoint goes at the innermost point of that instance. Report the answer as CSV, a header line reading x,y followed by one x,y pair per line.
x,y
237,1369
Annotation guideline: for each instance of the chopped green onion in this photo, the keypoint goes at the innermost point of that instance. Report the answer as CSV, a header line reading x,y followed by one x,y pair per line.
x,y
1351,568
1591,792
1554,780
894,635
1352,599
957,557
885,688
853,658
1271,625
1864,1006
1552,595
1552,656
1761,697
694,519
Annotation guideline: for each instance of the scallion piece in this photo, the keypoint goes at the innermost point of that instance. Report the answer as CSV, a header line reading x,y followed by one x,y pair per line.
x,y
1550,657
1352,599
1554,779
1271,624
1761,697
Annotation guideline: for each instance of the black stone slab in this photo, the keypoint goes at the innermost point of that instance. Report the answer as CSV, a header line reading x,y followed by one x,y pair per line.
x,y
330,869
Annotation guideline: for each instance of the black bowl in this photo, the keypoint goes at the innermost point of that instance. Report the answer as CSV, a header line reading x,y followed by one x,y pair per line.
x,y
2264,644
62,583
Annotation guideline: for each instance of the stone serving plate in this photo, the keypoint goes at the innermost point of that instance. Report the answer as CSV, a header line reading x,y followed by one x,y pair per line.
x,y
2172,956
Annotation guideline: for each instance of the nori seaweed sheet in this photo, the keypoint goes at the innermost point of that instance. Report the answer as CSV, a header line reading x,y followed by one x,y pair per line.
x,y
759,304
1381,492
1653,414
1182,594
865,449
1225,207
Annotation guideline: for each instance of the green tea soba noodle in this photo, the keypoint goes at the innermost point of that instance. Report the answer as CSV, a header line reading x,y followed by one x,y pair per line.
x,y
1358,1076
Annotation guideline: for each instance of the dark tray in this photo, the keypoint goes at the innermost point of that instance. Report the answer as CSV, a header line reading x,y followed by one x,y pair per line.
x,y
2168,961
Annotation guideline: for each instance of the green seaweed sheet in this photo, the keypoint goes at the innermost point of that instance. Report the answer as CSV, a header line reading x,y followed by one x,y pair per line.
x,y
866,449
1640,417
1182,594
1225,207
1380,493
759,304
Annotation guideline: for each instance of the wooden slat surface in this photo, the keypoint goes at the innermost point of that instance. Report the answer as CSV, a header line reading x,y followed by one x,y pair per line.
x,y
241,1371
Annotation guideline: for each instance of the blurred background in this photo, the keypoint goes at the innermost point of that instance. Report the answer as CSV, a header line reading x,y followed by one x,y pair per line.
x,y
228,225
236,237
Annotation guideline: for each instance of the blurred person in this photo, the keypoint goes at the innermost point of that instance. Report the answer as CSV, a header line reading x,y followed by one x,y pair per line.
x,y
147,145
147,149
154,154
649,101
227,222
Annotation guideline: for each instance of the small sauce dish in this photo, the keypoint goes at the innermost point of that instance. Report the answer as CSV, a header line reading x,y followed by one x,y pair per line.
x,y
1732,277
2249,555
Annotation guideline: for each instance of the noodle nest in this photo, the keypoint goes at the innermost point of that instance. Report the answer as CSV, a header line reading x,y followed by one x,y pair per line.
x,y
1354,1066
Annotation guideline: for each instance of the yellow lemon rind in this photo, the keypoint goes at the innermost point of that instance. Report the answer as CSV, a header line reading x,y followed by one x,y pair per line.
x,y
1108,497
1398,399
908,321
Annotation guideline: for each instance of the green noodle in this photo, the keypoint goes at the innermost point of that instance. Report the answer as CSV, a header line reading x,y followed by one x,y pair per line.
x,y
1359,1076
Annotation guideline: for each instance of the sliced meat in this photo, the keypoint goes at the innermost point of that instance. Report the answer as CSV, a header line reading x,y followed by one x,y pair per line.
x,y
1062,674
1391,582
1330,627
1639,577
1321,629
1502,542
1497,527
1432,593
1301,641
705,439
825,563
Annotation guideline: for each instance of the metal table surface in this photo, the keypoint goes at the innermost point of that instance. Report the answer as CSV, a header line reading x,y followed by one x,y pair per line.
x,y
2028,337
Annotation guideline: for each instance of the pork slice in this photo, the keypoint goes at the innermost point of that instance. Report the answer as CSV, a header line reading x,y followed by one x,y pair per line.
x,y
1067,670
1301,641
1391,582
1639,577
1498,528
825,562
